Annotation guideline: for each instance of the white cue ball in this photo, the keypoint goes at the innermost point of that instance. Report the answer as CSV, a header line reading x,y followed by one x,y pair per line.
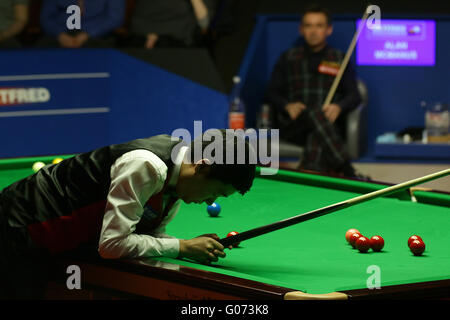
x,y
37,166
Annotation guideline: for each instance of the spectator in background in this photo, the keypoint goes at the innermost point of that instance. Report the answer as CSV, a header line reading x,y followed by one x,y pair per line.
x,y
13,18
170,23
298,87
99,18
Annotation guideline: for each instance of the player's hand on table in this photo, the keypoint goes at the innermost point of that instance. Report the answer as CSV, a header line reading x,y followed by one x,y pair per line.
x,y
201,249
294,109
215,237
332,111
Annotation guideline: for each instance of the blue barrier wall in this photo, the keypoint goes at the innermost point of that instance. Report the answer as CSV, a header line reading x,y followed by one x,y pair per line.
x,y
148,100
95,98
395,92
77,111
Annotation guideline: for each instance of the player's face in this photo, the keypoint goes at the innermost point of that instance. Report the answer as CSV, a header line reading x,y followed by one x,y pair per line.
x,y
205,190
195,186
315,29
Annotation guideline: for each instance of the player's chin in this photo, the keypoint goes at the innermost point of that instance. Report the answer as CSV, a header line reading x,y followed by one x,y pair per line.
x,y
188,201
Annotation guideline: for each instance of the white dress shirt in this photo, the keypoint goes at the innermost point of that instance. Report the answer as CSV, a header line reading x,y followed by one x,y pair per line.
x,y
135,177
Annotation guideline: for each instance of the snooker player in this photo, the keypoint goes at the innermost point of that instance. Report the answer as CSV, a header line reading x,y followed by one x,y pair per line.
x,y
119,198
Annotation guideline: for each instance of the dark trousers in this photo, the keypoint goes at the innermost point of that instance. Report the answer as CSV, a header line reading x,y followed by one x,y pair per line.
x,y
323,142
24,269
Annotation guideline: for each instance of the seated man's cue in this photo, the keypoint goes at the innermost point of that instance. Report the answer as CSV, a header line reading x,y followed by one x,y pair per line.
x,y
344,62
252,233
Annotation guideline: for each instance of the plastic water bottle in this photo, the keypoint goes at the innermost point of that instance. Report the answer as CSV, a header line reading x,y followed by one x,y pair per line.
x,y
437,122
236,113
265,117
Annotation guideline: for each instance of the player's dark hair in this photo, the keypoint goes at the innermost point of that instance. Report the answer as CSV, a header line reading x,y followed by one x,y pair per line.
x,y
317,8
236,163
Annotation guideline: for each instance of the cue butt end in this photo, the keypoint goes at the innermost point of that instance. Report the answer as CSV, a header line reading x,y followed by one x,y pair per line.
x,y
299,295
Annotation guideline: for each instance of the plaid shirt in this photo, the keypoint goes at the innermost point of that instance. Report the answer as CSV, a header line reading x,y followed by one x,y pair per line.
x,y
306,85
301,75
296,77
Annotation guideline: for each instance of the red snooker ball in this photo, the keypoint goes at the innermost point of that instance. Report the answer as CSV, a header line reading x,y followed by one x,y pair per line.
x,y
354,238
349,233
412,238
376,243
417,247
233,233
362,244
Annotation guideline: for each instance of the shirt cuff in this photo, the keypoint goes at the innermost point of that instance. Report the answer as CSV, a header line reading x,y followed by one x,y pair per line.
x,y
170,247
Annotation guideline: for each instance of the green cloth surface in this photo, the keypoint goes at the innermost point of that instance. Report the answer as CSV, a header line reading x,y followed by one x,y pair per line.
x,y
312,256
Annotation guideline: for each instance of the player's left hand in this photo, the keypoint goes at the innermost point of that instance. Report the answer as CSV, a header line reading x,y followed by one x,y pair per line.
x,y
201,249
215,237
332,111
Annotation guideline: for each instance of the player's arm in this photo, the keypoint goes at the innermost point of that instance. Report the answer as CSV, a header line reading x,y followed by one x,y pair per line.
x,y
201,248
135,177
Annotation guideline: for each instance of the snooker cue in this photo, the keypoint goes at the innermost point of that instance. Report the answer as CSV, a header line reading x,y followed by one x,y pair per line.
x,y
252,233
344,63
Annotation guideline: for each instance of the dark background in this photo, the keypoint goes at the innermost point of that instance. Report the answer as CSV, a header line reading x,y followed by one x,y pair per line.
x,y
236,22
232,27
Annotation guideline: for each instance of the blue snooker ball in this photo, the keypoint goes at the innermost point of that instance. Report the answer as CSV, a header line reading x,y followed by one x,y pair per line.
x,y
213,209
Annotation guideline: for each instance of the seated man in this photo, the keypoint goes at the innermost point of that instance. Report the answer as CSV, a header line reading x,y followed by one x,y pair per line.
x,y
13,18
118,198
98,19
169,23
298,87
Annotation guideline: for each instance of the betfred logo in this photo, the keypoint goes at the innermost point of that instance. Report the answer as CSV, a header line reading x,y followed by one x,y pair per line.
x,y
15,96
